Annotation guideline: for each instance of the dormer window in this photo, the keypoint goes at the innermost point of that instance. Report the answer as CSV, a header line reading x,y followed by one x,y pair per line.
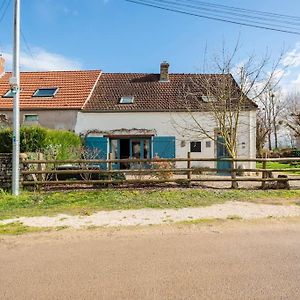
x,y
126,100
209,98
8,94
45,92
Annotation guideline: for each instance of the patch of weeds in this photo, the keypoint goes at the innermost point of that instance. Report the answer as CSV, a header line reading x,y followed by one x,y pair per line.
x,y
200,221
17,228
37,198
92,227
58,228
234,217
85,212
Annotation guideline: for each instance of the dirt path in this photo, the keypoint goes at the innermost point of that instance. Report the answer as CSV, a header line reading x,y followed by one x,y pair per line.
x,y
232,209
232,260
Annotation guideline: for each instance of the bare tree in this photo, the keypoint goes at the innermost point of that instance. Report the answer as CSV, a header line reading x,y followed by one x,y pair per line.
x,y
262,132
272,105
292,114
226,96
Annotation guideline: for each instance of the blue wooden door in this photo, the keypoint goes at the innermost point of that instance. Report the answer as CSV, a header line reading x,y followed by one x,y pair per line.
x,y
98,148
222,152
164,146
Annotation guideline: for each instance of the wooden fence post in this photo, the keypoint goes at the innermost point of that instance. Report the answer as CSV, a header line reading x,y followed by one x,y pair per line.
x,y
109,165
189,173
263,174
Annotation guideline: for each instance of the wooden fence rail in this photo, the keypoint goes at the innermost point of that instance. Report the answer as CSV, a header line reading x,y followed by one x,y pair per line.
x,y
153,171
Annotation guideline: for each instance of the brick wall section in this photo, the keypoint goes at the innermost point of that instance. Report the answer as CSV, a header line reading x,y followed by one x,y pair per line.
x,y
5,170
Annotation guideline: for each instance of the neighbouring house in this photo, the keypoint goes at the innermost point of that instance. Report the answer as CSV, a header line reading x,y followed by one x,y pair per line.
x,y
142,116
49,99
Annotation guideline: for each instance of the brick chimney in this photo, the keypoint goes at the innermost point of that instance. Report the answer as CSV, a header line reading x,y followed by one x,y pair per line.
x,y
2,65
164,72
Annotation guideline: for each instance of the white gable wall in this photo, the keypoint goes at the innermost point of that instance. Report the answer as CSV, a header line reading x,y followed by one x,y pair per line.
x,y
174,124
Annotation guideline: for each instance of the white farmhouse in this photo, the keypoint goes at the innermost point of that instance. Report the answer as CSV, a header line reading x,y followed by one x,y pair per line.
x,y
147,115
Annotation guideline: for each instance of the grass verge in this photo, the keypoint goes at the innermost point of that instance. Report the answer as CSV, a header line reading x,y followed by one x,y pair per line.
x,y
18,228
278,165
88,202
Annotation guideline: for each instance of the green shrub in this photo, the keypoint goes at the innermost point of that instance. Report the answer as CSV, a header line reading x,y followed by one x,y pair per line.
x,y
32,139
66,144
60,144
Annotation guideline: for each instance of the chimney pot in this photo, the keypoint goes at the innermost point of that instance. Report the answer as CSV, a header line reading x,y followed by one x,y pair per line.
x,y
164,71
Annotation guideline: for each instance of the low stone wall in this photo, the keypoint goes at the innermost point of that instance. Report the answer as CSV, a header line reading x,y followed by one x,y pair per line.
x,y
5,170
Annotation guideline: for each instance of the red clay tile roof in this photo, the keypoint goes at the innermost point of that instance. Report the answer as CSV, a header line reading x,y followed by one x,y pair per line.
x,y
74,89
149,93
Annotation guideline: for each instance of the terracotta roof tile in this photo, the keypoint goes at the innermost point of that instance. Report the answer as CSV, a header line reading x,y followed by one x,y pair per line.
x,y
74,89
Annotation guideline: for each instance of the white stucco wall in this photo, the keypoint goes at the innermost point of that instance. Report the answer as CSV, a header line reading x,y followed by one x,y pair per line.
x,y
180,125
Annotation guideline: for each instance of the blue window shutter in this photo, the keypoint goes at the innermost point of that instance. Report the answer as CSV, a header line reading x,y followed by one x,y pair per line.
x,y
164,146
100,144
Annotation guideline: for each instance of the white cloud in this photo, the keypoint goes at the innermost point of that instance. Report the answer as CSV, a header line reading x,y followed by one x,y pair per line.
x,y
43,60
292,58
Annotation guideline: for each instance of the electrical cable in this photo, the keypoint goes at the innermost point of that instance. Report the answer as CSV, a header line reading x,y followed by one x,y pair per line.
x,y
247,23
229,12
5,9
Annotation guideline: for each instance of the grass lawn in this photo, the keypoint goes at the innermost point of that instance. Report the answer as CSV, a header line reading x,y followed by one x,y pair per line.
x,y
18,228
88,202
278,166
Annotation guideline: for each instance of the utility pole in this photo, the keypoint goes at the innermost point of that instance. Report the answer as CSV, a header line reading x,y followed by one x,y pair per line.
x,y
15,86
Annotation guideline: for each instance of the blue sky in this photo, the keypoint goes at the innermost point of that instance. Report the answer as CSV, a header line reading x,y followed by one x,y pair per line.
x,y
117,36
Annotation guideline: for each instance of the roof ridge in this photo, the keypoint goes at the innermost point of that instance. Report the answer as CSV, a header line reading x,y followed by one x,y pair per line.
x,y
140,73
58,71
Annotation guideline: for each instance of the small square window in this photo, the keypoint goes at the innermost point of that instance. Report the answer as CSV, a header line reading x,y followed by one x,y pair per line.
x,y
45,92
31,118
127,100
8,94
208,144
195,146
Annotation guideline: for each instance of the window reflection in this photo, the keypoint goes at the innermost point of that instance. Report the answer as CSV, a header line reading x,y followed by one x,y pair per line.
x,y
114,148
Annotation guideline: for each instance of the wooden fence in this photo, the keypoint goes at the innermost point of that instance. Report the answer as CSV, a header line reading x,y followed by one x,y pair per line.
x,y
41,173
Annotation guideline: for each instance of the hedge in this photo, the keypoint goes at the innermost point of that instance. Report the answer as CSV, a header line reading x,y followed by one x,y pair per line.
x,y
32,139
39,139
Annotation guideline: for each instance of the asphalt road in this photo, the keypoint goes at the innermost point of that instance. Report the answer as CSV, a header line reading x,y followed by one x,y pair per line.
x,y
234,260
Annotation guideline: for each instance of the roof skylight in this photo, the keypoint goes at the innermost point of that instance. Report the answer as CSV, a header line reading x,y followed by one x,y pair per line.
x,y
45,92
8,94
209,98
127,100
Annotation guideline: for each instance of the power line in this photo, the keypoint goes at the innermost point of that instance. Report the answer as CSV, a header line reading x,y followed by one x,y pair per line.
x,y
247,23
247,10
5,9
219,14
2,5
228,11
28,49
